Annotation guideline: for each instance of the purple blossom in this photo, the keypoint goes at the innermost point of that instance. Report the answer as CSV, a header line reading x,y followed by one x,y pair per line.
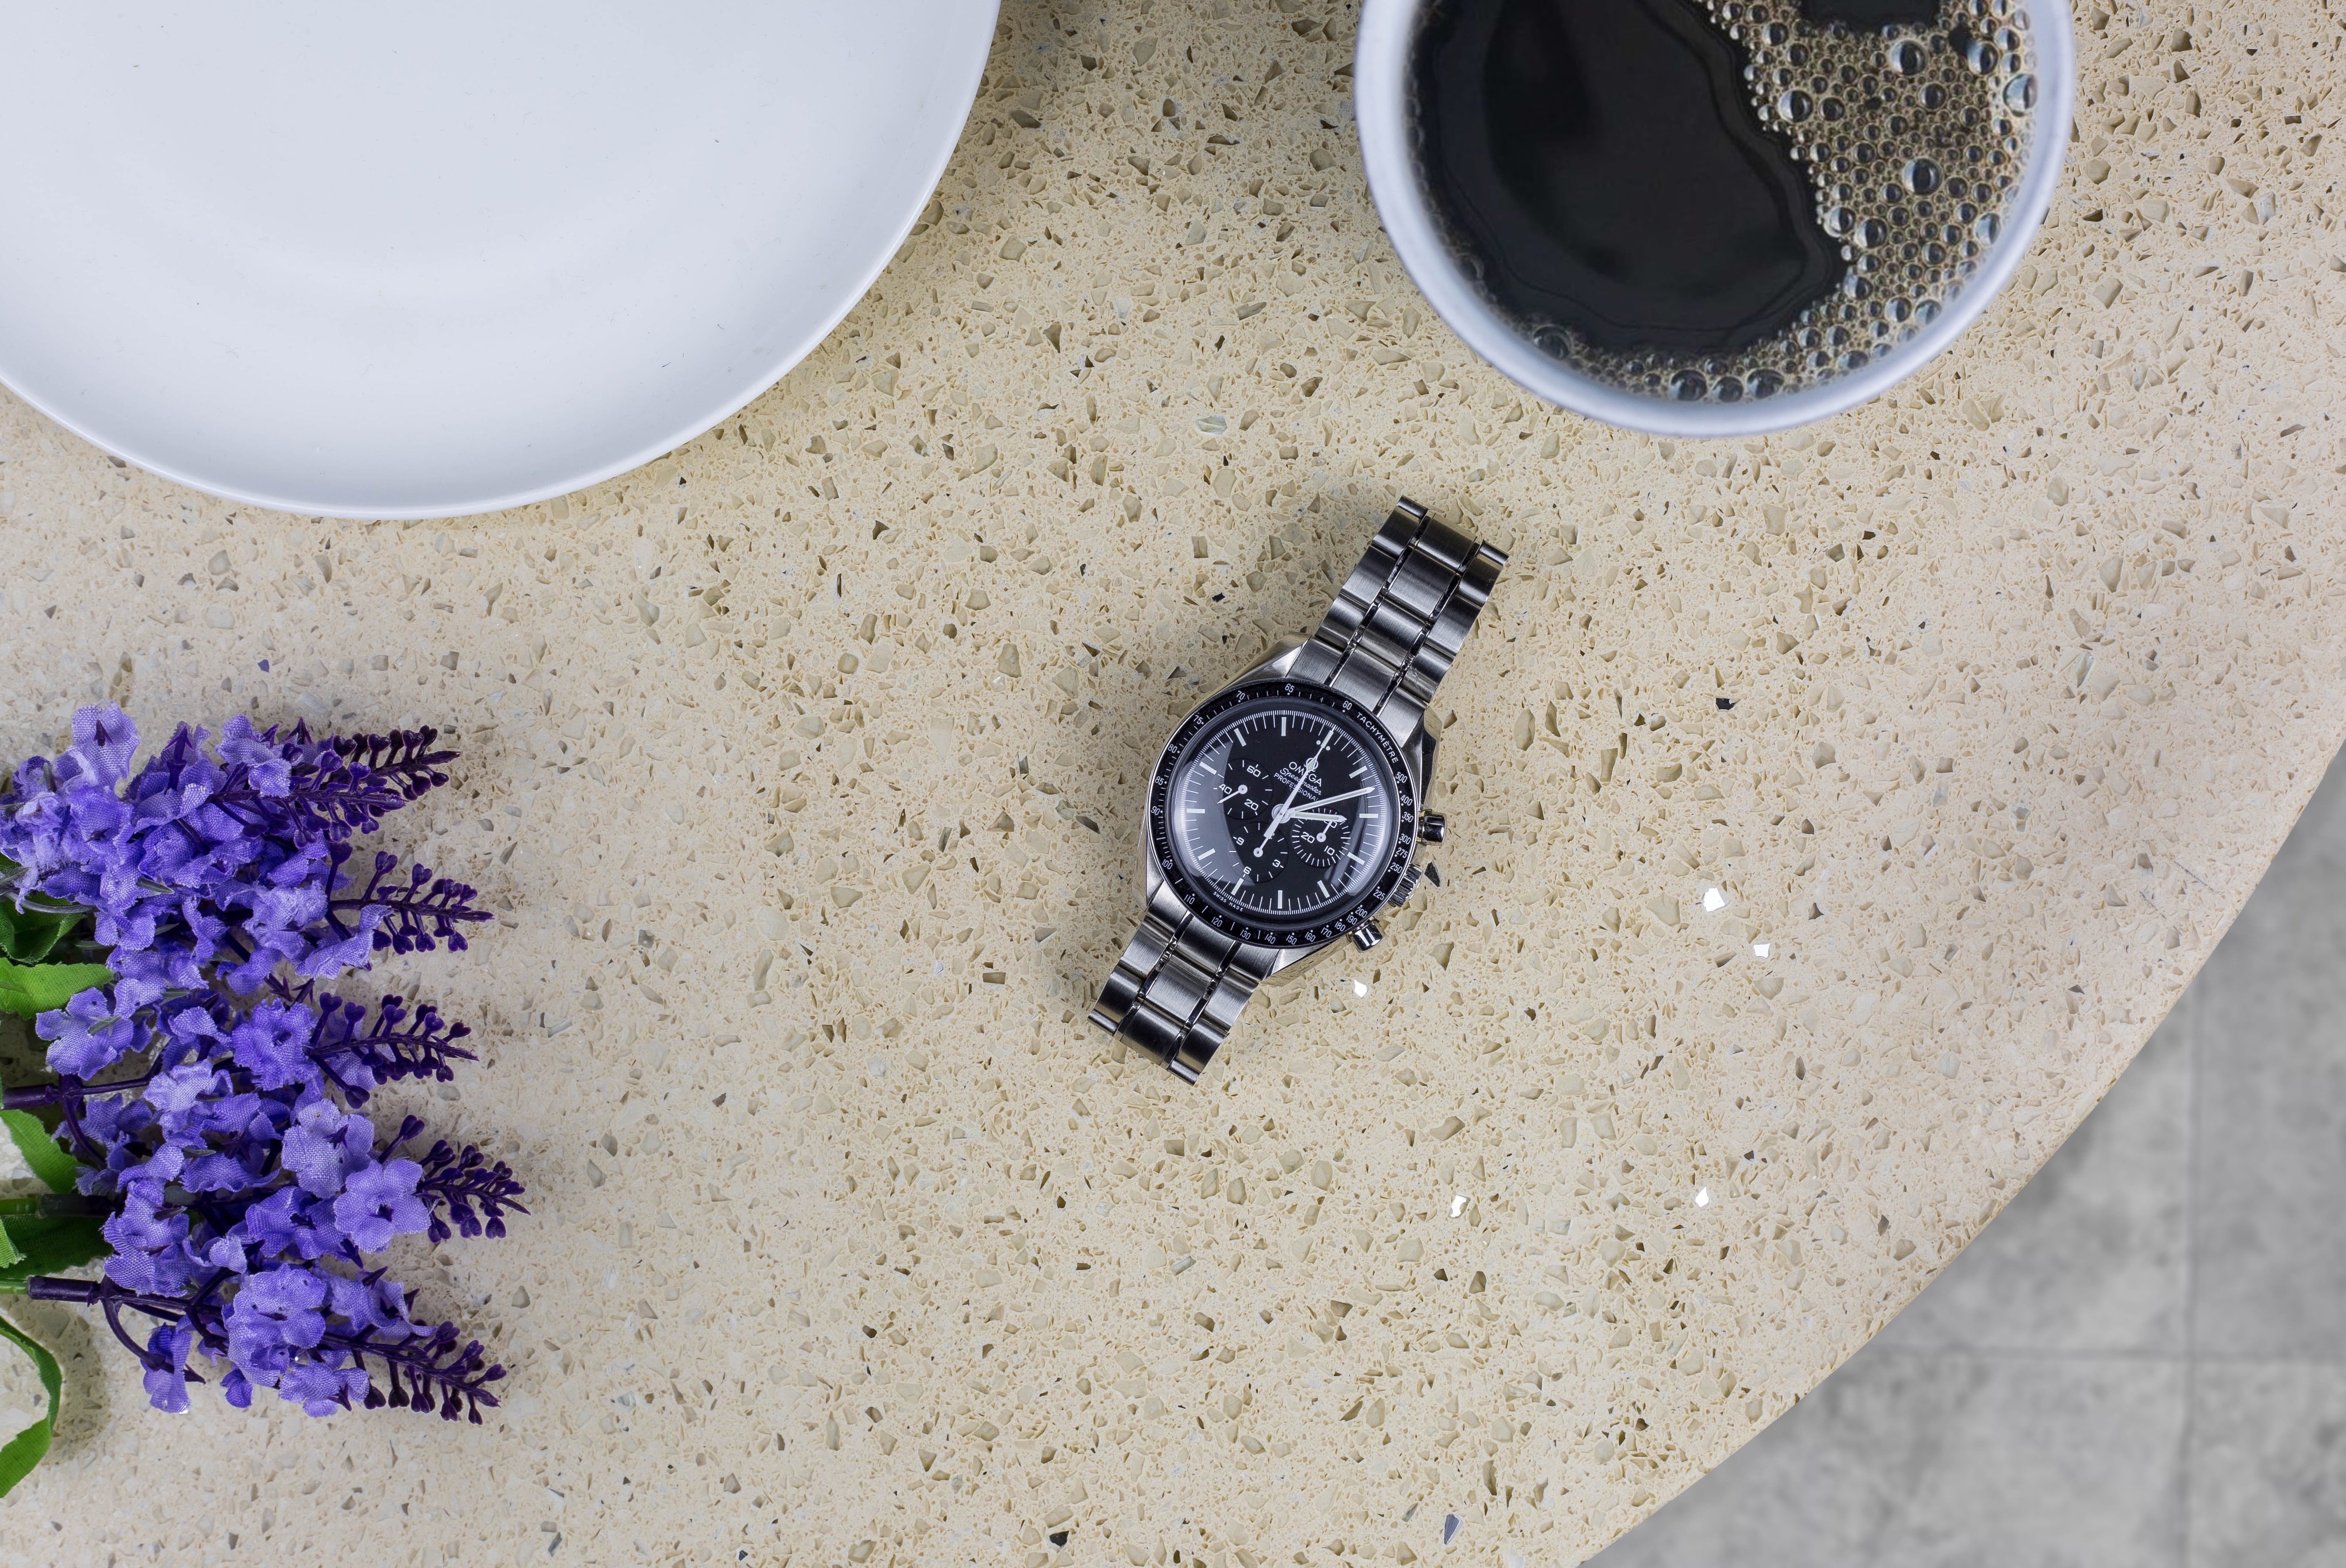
x,y
276,1314
150,1252
323,1385
104,743
289,1224
231,853
85,1036
324,1145
245,1185
272,1043
308,1333
378,1202
475,1195
183,1099
166,1367
396,1044
371,1304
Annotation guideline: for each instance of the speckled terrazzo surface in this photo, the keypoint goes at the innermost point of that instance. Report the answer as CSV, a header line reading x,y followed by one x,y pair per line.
x,y
805,769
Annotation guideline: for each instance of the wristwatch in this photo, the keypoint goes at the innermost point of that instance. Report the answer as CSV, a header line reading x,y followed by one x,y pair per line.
x,y
1285,810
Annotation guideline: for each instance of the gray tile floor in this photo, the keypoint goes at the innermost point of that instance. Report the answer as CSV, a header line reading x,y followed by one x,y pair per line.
x,y
2139,1363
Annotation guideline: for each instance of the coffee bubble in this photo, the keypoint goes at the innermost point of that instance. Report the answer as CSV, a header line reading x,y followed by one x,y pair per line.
x,y
1910,138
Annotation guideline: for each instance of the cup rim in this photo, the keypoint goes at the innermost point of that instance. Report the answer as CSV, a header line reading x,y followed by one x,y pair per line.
x,y
1380,108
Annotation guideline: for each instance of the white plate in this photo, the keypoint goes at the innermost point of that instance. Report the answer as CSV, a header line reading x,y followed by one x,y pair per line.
x,y
424,257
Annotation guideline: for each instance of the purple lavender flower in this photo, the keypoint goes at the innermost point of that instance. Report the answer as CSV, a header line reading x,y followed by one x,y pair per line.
x,y
149,1246
87,1035
397,1044
272,1044
276,1313
474,1194
309,1334
236,855
246,1186
166,1367
104,744
378,1202
324,1145
288,1224
324,1385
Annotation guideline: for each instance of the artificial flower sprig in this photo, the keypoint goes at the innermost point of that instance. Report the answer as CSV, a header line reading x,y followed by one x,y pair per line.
x,y
168,929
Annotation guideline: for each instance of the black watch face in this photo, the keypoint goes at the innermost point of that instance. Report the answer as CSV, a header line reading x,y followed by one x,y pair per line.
x,y
1285,813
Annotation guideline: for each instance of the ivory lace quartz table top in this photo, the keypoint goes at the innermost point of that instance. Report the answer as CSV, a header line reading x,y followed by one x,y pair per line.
x,y
1832,817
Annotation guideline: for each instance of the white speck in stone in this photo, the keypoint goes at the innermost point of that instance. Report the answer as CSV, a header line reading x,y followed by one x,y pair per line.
x,y
1759,950
1360,988
1713,899
1457,1205
878,1066
1702,1198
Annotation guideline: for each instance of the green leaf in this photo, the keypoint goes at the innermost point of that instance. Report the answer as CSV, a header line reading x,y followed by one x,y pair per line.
x,y
31,1446
50,1246
29,936
29,989
10,1254
48,1159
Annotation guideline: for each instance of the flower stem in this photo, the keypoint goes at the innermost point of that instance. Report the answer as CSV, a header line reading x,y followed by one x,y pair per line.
x,y
56,1205
48,1287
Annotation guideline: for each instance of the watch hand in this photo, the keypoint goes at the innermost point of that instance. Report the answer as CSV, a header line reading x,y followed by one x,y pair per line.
x,y
1230,795
1328,817
1278,813
1326,800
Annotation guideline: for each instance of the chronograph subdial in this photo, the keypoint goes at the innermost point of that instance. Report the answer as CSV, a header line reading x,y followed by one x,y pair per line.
x,y
1248,814
1315,844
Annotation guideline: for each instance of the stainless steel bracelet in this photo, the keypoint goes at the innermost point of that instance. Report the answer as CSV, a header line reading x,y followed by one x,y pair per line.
x,y
1387,641
1401,616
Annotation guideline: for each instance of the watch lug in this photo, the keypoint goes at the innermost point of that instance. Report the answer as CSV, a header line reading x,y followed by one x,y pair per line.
x,y
1280,661
1152,875
1287,958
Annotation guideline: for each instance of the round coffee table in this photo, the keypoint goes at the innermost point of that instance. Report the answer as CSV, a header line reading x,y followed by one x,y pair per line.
x,y
1832,816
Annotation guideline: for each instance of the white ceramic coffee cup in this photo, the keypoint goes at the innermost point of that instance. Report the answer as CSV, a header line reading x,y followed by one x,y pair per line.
x,y
1381,90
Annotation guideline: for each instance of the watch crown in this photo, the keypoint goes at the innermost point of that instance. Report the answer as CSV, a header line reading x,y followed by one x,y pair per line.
x,y
1368,936
1432,827
1403,888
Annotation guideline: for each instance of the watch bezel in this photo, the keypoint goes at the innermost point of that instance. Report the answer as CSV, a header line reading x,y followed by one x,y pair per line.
x,y
1373,895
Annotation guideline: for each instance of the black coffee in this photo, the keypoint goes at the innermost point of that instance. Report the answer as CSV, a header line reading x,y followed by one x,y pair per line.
x,y
1603,162
1721,198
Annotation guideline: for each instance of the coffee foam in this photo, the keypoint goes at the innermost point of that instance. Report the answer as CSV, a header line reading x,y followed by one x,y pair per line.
x,y
1912,140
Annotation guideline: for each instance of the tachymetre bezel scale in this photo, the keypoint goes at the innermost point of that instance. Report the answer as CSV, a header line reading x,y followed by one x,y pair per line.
x,y
1328,924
